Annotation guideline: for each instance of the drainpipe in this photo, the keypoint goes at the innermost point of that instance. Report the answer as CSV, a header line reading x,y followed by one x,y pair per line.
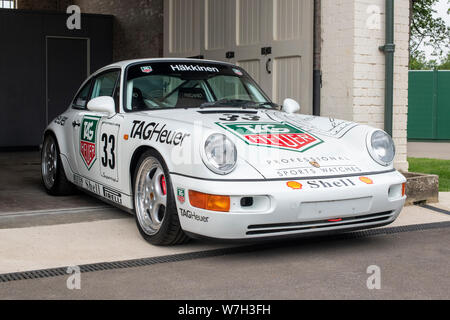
x,y
389,49
317,73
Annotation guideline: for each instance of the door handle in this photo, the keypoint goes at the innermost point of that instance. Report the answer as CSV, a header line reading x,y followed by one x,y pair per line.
x,y
268,66
76,124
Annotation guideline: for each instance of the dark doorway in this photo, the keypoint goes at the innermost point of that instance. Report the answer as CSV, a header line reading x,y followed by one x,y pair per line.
x,y
67,67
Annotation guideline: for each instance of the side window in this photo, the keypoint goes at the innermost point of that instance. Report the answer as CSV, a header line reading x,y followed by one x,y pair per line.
x,y
81,99
152,88
104,84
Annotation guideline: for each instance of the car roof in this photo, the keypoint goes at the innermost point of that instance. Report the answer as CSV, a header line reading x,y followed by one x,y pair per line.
x,y
125,63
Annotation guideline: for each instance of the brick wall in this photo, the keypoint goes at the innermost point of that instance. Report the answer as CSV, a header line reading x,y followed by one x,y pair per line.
x,y
354,68
337,59
138,26
401,81
37,4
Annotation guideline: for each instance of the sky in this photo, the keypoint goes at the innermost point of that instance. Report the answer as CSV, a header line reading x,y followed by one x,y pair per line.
x,y
441,8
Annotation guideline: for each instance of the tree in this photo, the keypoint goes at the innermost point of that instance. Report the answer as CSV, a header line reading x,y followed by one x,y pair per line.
x,y
445,65
428,30
418,61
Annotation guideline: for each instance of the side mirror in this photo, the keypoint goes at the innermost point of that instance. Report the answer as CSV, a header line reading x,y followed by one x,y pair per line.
x,y
290,106
102,104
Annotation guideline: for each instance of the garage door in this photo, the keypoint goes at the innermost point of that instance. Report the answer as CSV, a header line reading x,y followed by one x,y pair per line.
x,y
271,39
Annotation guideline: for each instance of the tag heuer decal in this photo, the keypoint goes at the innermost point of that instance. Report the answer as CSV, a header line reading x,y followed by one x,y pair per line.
x,y
88,138
181,195
274,135
147,69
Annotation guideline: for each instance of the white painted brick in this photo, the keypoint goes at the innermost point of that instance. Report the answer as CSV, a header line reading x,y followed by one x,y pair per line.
x,y
354,68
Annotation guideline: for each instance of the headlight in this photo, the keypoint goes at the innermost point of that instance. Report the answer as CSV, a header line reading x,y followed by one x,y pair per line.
x,y
220,154
381,147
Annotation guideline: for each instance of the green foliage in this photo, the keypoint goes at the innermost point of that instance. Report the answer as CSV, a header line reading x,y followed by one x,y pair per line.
x,y
445,65
419,62
428,30
433,166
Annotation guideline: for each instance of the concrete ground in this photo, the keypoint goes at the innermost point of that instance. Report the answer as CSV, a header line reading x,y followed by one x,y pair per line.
x,y
434,150
412,265
22,190
114,237
444,199
38,232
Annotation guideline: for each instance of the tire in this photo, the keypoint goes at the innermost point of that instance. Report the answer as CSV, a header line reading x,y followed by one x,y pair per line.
x,y
155,208
52,171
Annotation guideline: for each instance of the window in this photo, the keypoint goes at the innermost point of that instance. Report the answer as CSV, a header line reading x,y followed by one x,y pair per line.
x,y
164,85
81,99
8,4
226,87
104,84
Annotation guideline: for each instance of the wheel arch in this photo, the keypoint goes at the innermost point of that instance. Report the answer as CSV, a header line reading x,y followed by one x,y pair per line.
x,y
138,152
49,132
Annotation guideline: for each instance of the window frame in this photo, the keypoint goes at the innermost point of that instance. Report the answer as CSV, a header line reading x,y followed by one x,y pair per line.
x,y
125,78
87,82
91,80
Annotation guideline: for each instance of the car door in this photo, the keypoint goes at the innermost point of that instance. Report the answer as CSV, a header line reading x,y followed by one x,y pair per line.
x,y
89,132
71,125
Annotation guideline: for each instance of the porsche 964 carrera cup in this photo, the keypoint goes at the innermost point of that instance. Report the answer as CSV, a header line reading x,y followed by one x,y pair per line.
x,y
196,148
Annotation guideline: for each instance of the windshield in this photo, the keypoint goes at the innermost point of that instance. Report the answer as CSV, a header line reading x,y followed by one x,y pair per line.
x,y
163,85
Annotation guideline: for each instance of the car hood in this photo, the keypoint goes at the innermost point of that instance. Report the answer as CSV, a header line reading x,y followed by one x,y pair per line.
x,y
280,145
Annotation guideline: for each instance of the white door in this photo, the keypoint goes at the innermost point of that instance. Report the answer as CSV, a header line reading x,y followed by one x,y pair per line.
x,y
182,28
251,35
291,40
271,39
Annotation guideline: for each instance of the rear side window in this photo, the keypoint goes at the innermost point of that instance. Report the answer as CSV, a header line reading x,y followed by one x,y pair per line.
x,y
104,84
81,99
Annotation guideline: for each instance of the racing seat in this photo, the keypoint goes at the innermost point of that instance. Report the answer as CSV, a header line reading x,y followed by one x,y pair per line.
x,y
190,97
137,101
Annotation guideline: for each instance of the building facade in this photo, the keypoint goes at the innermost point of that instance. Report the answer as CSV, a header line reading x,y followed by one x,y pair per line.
x,y
353,67
341,43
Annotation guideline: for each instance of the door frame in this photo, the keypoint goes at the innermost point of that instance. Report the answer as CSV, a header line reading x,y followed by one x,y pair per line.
x,y
88,69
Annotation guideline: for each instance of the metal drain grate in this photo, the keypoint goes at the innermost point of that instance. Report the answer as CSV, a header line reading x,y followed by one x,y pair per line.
x,y
55,272
426,206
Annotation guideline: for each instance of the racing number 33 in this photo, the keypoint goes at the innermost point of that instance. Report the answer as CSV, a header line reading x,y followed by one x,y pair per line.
x,y
109,157
109,151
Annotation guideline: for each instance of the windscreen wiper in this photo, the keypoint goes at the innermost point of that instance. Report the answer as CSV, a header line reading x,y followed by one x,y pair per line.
x,y
239,104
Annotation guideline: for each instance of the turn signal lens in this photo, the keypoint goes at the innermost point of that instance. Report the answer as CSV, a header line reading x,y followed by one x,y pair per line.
x,y
403,189
209,202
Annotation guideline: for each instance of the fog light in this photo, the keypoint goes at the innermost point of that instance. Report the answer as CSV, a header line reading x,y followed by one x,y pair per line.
x,y
397,191
247,202
209,202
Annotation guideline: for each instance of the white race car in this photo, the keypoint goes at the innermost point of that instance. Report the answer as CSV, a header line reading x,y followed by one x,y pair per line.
x,y
196,148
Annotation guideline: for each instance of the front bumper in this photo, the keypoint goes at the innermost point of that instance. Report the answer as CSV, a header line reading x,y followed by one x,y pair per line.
x,y
306,206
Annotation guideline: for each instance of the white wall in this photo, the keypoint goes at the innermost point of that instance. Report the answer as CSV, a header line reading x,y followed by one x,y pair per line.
x,y
354,68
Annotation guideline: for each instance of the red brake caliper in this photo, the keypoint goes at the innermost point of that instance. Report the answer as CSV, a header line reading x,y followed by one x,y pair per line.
x,y
163,185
